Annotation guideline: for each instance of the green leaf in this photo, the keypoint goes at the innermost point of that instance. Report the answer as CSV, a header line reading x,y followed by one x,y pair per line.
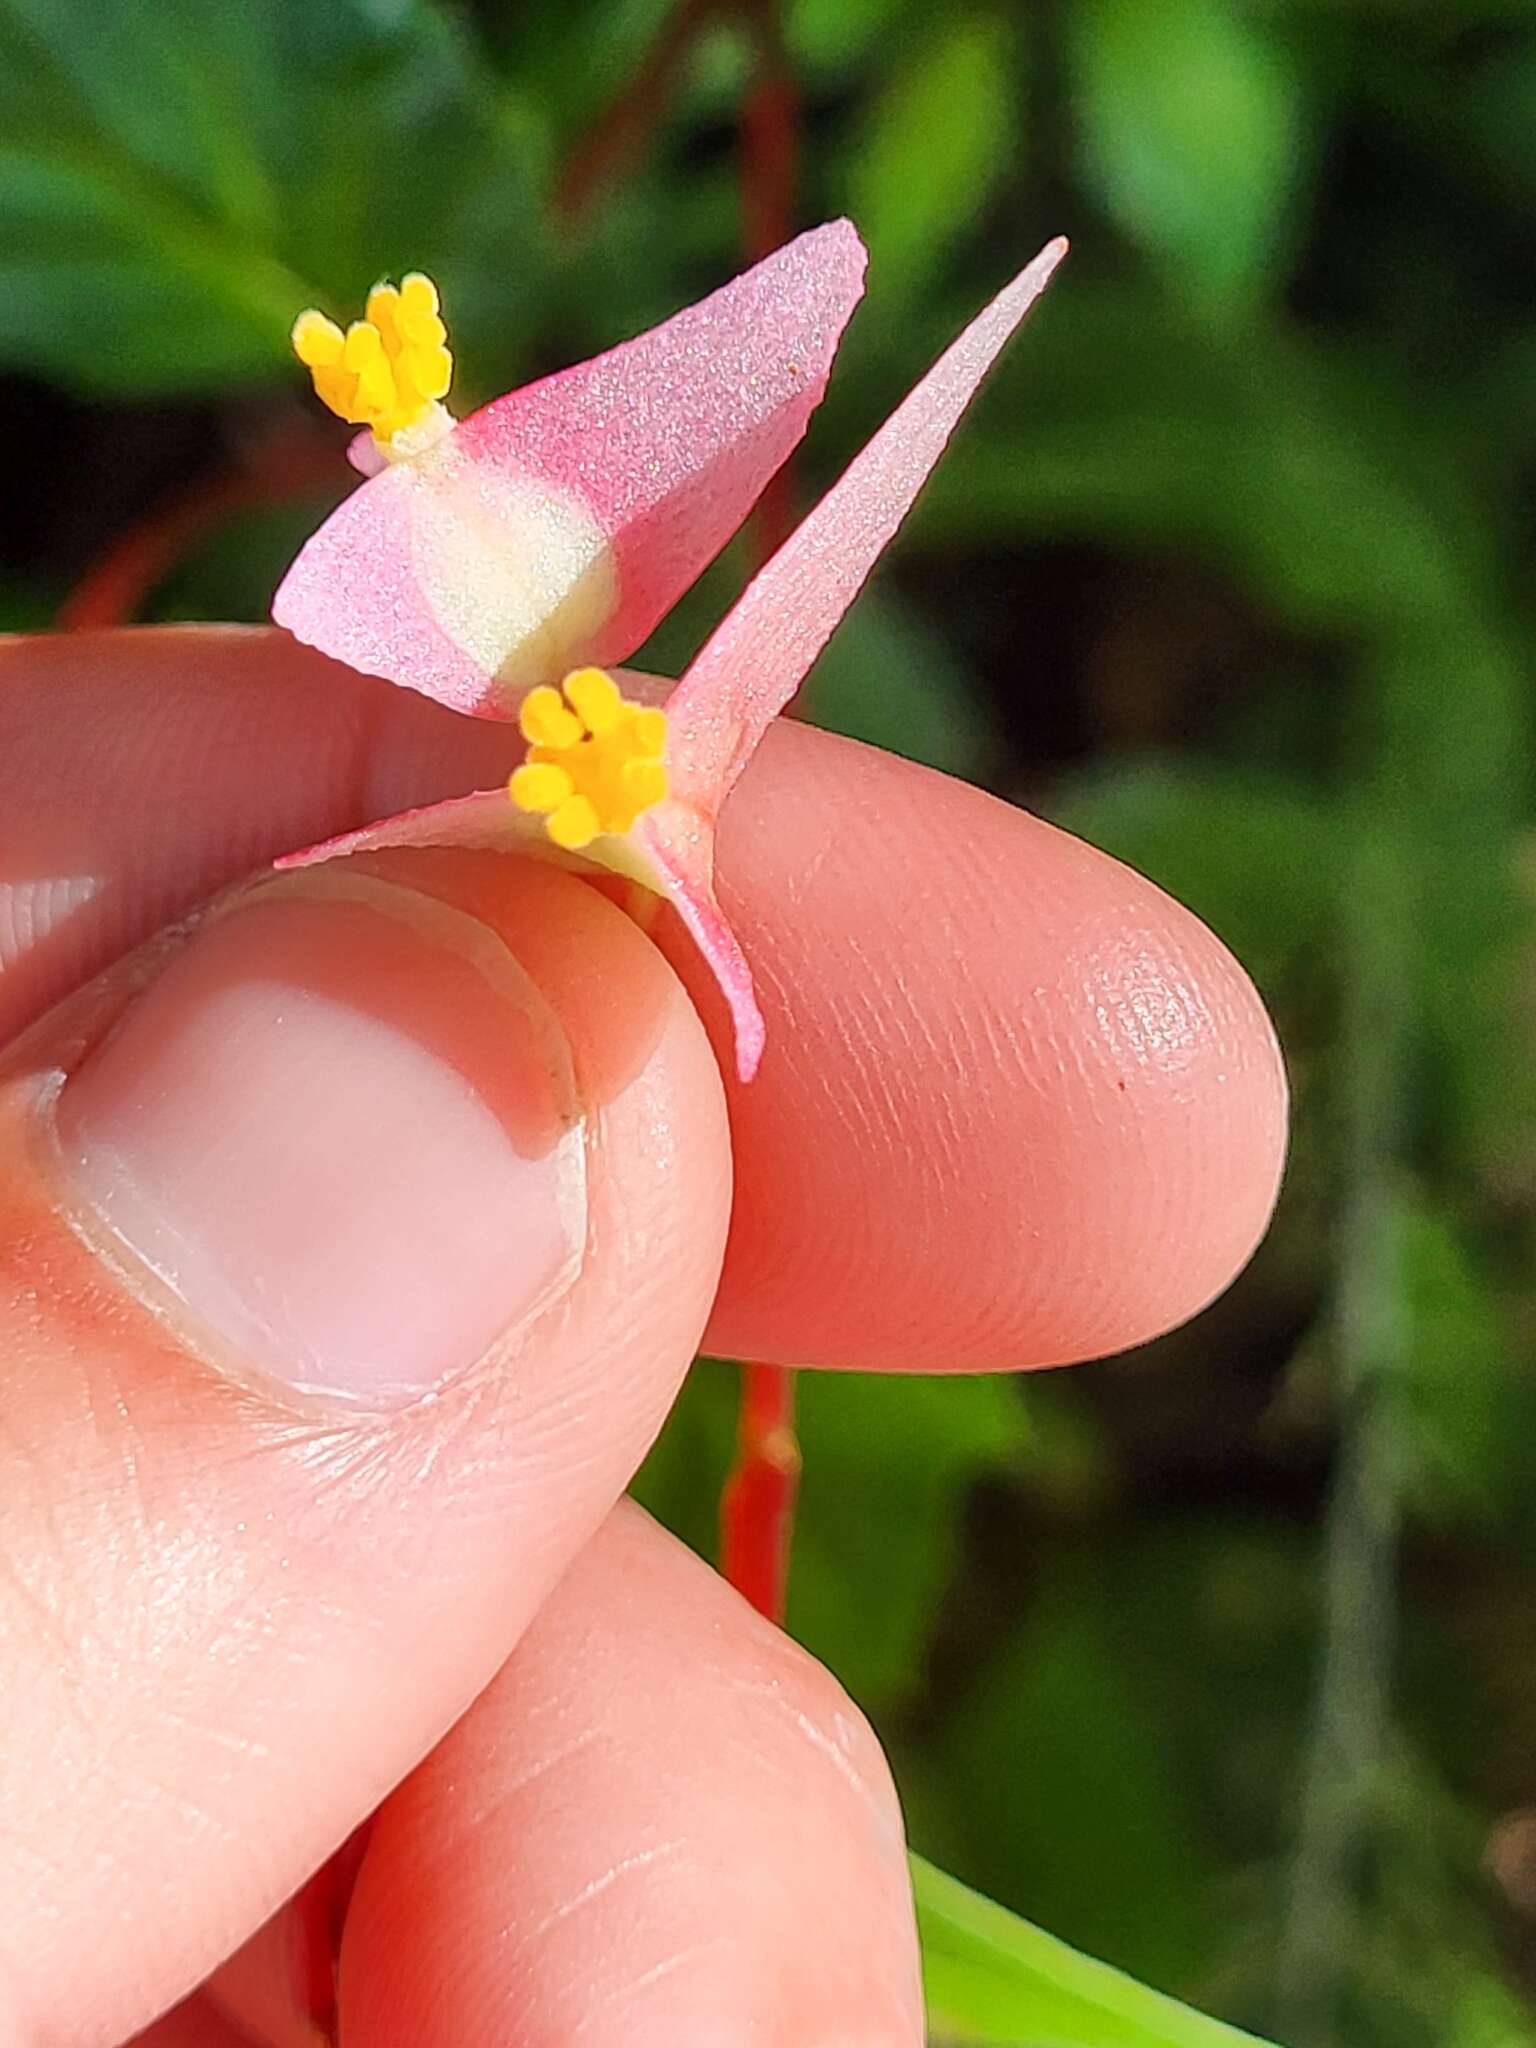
x,y
177,182
889,1462
24,610
938,137
576,61
993,1978
1067,1793
830,36
1191,126
1482,2012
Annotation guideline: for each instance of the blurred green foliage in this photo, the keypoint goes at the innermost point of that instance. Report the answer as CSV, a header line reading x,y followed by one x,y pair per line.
x,y
1219,1661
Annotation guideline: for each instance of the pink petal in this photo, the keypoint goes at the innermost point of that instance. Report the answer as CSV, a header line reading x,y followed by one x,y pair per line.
x,y
559,523
757,657
671,851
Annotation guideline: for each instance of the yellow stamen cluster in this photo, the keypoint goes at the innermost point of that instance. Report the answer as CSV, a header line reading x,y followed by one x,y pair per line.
x,y
595,760
387,371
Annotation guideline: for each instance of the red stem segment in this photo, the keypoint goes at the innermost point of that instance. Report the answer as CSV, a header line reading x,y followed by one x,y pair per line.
x,y
770,165
757,1509
622,131
117,585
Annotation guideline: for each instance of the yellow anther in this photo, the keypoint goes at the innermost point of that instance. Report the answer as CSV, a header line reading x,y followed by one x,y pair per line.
x,y
540,786
422,330
575,824
546,721
381,310
364,345
595,762
317,342
420,311
390,370
594,697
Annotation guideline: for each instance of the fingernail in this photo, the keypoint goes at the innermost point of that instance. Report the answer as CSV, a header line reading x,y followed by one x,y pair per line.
x,y
341,1131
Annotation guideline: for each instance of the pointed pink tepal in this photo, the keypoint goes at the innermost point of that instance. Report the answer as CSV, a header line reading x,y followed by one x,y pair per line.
x,y
557,525
759,655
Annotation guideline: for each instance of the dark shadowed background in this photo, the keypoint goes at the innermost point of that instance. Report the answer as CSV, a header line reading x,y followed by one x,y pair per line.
x,y
1220,1659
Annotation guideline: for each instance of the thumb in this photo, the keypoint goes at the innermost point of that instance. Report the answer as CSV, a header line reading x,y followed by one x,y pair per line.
x,y
353,1241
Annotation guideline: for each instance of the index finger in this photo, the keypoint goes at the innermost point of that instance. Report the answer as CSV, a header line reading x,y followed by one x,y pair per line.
x,y
1018,1107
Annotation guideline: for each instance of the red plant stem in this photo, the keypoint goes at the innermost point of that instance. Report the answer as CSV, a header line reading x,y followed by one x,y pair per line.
x,y
770,164
757,1508
620,133
770,155
115,587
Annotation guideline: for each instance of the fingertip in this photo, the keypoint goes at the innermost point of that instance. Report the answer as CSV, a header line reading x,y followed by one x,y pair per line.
x,y
663,1823
1018,1107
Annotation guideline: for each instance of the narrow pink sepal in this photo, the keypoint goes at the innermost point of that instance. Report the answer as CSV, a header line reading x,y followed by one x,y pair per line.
x,y
758,656
486,819
558,524
679,844
671,843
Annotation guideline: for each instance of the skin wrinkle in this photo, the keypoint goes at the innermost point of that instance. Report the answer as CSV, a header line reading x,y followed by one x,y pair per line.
x,y
243,1748
627,1993
573,1752
627,1866
42,1520
1161,1022
246,1619
872,1787
880,1106
1099,1303
116,1429
51,1625
38,1886
71,1620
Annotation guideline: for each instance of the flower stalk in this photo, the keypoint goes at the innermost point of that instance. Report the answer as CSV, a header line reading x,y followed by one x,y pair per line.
x,y
757,1503
757,1506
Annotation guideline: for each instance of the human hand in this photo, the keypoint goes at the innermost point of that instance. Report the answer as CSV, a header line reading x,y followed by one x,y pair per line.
x,y
335,1489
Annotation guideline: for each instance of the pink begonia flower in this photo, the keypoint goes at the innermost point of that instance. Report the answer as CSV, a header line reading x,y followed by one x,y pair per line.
x,y
543,537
